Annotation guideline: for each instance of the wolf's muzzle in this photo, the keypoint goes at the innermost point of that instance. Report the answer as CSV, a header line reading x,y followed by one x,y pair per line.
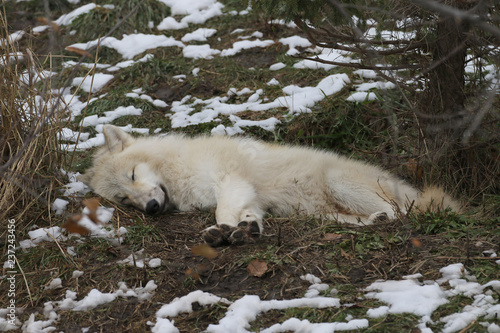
x,y
152,207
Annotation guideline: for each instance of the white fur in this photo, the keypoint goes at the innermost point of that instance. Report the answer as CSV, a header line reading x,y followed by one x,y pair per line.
x,y
243,178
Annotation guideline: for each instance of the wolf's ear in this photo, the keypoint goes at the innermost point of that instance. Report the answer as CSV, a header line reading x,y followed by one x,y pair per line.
x,y
116,139
86,177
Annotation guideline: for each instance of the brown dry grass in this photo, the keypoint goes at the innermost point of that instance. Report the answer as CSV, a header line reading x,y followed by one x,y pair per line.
x,y
29,123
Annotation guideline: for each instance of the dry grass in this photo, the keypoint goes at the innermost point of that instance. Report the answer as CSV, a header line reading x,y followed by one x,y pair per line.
x,y
29,123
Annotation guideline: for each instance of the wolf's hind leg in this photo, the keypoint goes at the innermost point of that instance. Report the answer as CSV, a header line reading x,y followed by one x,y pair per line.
x,y
361,202
381,216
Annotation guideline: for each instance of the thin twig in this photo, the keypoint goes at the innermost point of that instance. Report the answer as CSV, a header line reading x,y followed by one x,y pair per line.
x,y
25,281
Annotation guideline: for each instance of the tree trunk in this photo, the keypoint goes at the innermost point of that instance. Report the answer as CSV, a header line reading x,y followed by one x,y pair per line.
x,y
441,107
447,79
445,90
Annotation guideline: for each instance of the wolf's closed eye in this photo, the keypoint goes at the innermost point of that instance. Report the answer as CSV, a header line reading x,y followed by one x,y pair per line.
x,y
133,174
124,201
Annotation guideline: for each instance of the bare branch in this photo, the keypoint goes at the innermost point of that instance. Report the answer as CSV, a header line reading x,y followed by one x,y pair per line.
x,y
458,15
476,122
409,47
360,65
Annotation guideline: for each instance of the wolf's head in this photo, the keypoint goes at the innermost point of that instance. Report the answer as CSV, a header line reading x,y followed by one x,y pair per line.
x,y
125,173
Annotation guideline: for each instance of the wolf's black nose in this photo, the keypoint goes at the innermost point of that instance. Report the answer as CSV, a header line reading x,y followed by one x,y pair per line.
x,y
152,207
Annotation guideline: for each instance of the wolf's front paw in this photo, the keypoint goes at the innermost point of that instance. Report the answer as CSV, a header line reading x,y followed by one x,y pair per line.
x,y
217,235
223,234
246,232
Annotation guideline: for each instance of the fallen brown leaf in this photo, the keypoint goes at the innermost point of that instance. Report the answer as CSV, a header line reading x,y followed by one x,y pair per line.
x,y
192,273
45,21
92,204
345,254
204,251
197,272
78,51
73,227
416,242
331,237
257,267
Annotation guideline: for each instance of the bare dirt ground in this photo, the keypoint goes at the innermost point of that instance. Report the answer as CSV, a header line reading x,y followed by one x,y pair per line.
x,y
347,258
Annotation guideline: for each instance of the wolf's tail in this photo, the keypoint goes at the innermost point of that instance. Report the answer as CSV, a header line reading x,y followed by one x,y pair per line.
x,y
435,199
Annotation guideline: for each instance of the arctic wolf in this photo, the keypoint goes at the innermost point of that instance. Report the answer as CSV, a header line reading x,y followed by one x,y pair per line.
x,y
243,179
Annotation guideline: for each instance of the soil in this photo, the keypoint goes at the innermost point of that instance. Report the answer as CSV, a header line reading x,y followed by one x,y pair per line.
x,y
339,255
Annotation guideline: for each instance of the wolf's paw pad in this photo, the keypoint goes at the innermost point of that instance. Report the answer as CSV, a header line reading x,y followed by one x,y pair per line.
x,y
217,235
246,232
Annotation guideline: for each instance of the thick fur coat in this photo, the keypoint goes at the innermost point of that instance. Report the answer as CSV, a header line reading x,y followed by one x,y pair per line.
x,y
243,179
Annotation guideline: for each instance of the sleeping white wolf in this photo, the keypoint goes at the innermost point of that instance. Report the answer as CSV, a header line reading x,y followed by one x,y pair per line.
x,y
243,179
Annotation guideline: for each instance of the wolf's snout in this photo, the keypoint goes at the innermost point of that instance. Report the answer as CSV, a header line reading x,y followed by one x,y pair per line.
x,y
152,207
